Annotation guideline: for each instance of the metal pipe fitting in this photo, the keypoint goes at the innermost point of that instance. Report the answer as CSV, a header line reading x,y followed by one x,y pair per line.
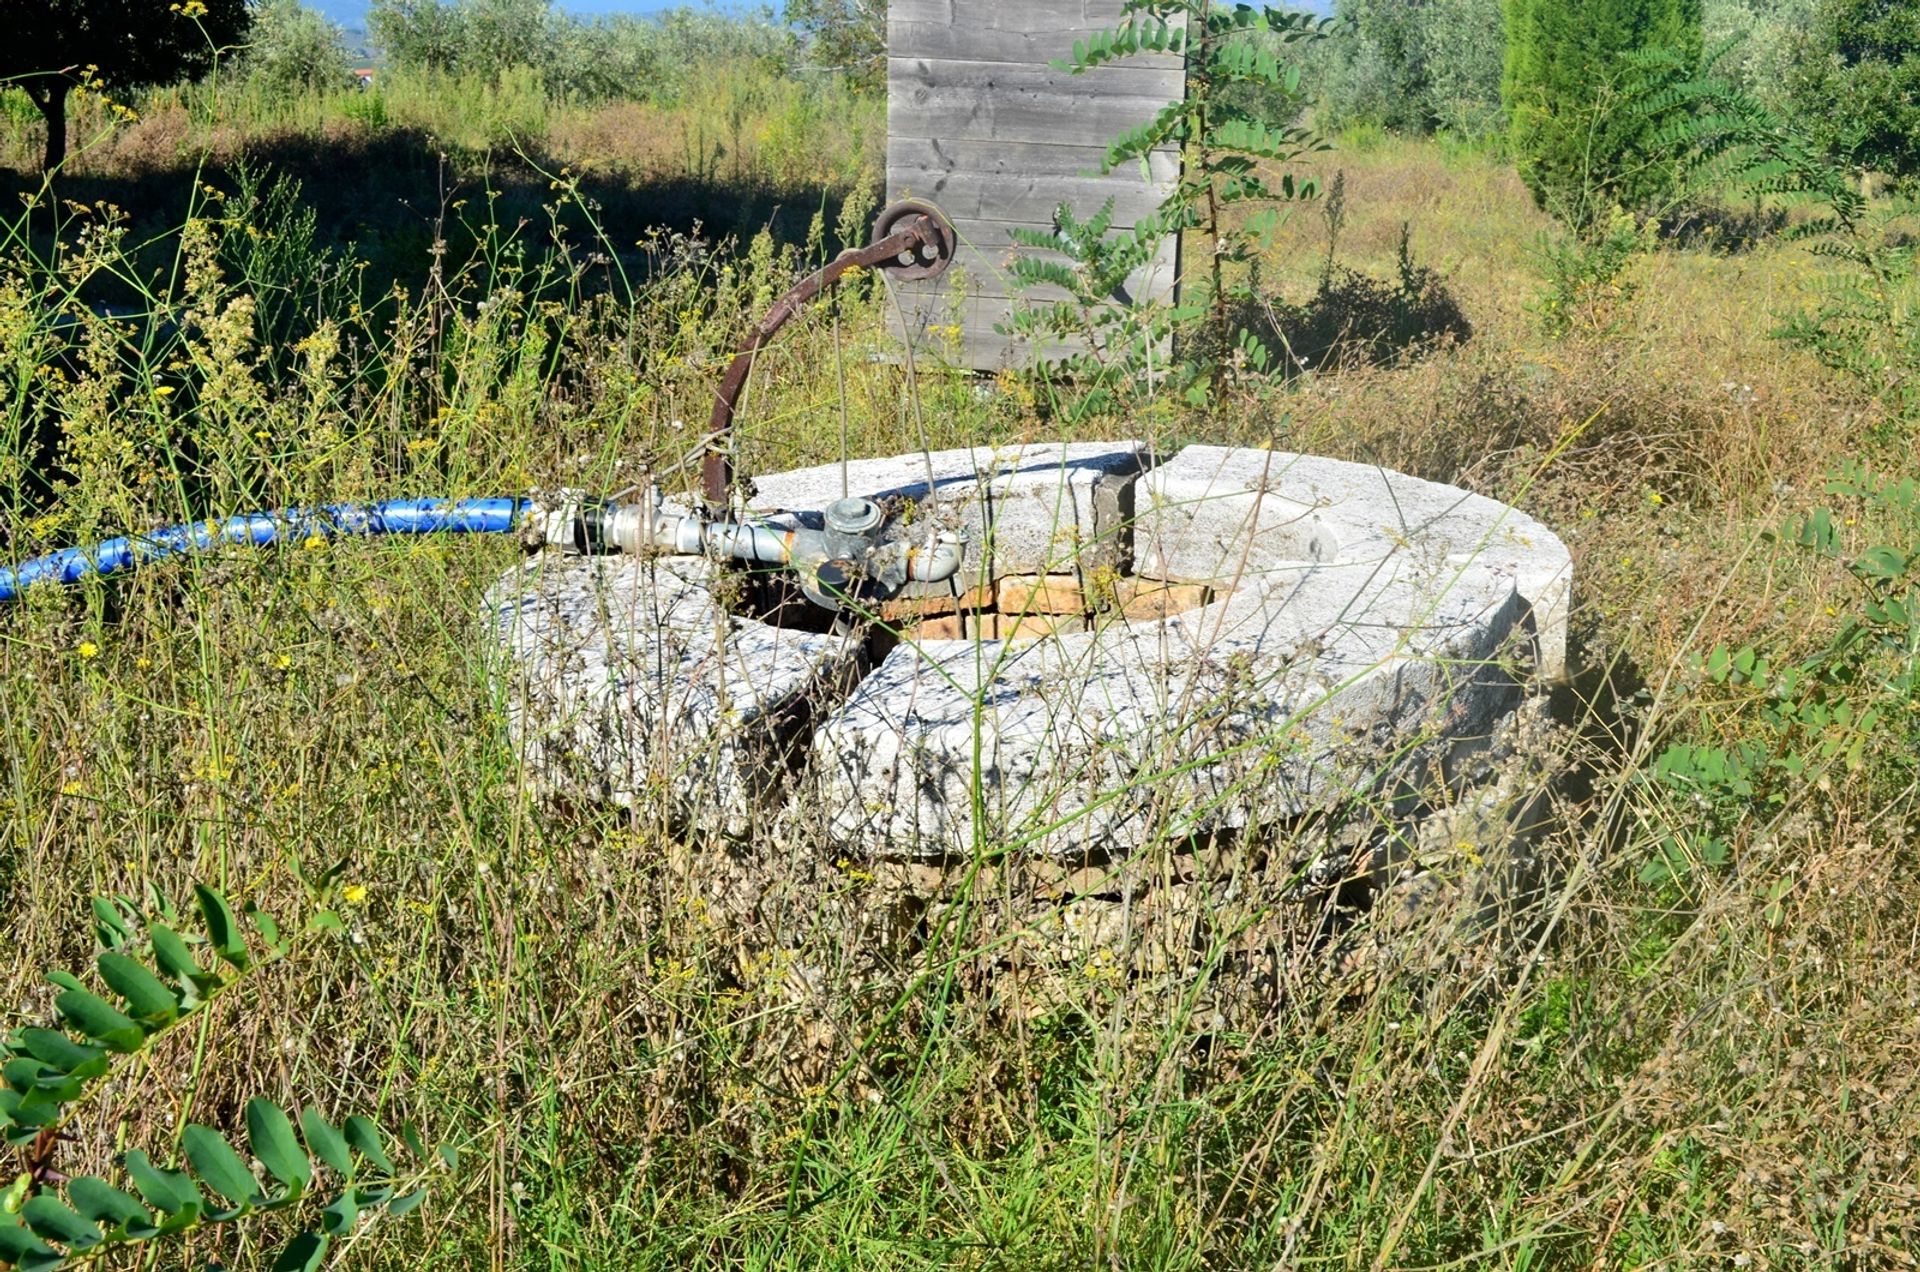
x,y
938,562
845,560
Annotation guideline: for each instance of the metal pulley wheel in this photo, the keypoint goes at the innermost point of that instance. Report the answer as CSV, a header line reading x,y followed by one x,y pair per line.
x,y
932,256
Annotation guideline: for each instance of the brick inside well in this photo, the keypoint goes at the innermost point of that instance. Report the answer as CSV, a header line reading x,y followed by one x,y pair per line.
x,y
1028,607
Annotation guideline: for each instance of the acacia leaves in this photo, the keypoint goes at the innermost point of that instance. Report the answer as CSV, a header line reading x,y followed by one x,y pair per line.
x,y
153,983
1234,124
1791,724
48,1230
150,978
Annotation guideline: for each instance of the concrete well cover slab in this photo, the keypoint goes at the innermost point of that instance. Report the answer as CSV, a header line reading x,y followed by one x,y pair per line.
x,y
1355,650
1356,645
1025,508
628,677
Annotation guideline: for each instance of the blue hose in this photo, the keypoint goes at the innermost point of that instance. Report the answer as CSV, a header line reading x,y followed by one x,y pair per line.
x,y
394,516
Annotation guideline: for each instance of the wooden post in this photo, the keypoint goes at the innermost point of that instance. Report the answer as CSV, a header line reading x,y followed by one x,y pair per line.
x,y
981,124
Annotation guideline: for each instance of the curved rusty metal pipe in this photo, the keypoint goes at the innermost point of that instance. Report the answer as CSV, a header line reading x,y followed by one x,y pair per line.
x,y
911,239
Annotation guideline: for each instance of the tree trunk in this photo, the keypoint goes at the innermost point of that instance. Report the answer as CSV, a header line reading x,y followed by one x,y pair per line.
x,y
49,93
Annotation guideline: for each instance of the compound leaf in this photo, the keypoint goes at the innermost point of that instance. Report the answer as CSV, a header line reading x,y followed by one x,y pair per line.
x,y
169,1191
55,1220
365,1137
303,1254
222,929
106,1205
106,1025
326,1142
146,994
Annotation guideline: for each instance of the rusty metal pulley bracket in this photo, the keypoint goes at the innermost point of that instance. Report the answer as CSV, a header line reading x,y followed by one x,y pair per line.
x,y
911,240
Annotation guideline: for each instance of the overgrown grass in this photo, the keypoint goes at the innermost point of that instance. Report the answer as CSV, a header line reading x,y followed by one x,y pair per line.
x,y
663,1050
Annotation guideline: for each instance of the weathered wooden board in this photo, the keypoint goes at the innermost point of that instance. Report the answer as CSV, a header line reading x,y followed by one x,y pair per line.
x,y
1022,159
1022,196
974,342
1120,79
983,125
983,270
1033,17
996,44
1040,115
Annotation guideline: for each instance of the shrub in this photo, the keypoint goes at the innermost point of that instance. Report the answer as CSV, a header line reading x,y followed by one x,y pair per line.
x,y
427,34
1780,722
1231,152
1589,284
1581,150
1355,319
657,59
1416,68
1858,87
1766,40
53,49
610,59
848,35
1864,325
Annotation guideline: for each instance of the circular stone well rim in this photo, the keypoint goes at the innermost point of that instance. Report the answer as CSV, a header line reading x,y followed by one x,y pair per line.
x,y
889,767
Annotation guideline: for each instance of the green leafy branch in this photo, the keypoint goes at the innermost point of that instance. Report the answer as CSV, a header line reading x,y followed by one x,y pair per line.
x,y
1799,721
1123,340
1866,324
156,982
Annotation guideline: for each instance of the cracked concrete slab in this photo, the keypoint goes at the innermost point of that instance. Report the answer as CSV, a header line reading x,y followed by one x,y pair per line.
x,y
1210,514
628,678
1361,640
1355,652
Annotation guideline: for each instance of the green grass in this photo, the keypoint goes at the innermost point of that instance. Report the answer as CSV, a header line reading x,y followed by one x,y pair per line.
x,y
662,1051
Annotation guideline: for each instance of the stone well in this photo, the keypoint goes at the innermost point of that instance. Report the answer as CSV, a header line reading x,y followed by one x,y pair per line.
x,y
1138,648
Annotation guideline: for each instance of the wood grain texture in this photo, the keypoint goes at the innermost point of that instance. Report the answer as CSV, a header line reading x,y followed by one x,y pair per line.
x,y
1023,196
1038,17
1054,119
983,270
997,44
1003,158
972,341
1121,79
980,123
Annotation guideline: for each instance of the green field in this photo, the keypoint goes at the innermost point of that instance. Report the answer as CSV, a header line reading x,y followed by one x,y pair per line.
x,y
658,1050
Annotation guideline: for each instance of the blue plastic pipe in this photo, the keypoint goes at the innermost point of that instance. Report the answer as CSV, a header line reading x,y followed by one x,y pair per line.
x,y
395,516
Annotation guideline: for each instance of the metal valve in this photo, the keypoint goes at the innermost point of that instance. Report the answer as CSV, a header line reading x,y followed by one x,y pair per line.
x,y
847,561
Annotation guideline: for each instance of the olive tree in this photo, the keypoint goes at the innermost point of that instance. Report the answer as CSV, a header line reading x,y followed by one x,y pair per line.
x,y
54,46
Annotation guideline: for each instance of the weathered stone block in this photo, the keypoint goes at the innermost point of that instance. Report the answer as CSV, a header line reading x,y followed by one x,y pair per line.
x,y
629,680
1144,600
1311,633
1034,626
1217,515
